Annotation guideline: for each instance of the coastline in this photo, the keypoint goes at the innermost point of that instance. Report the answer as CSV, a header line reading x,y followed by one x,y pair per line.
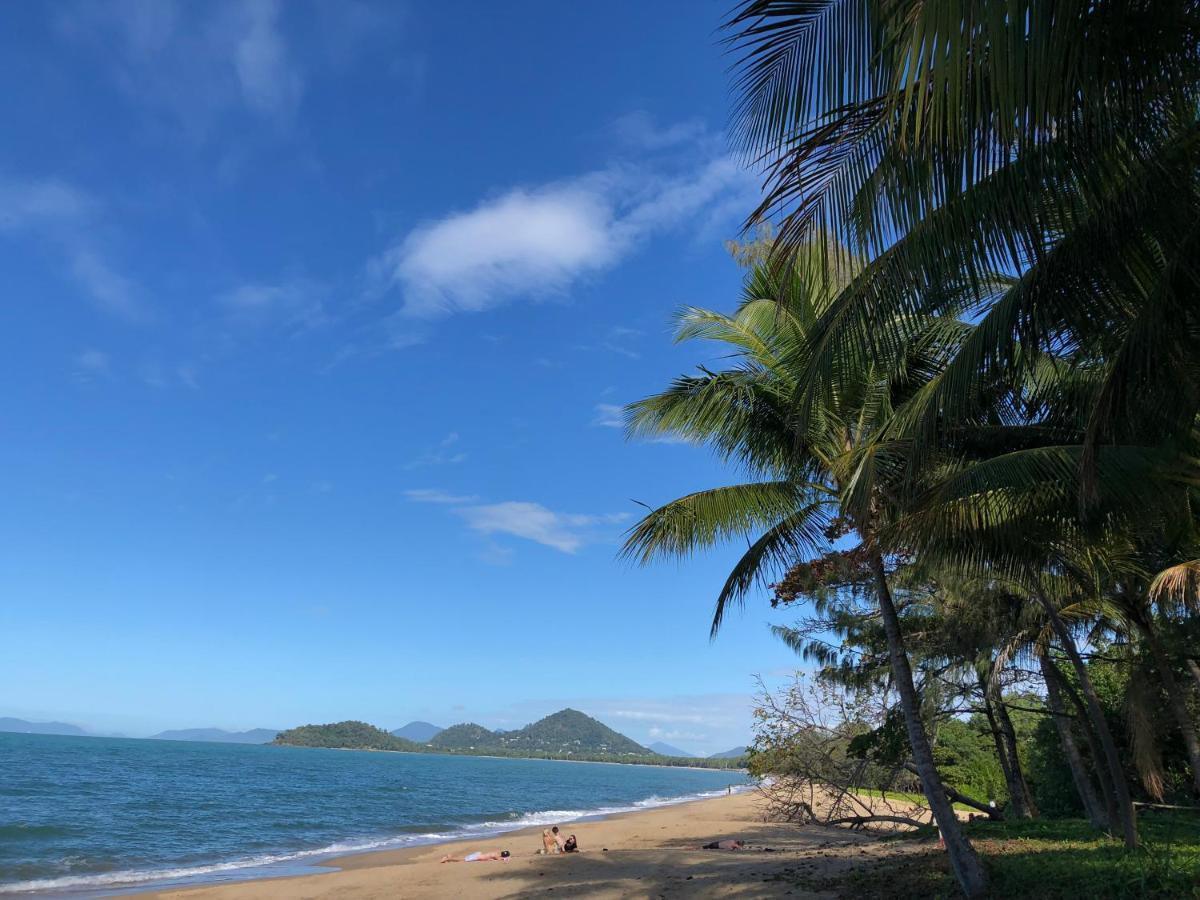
x,y
650,852
595,762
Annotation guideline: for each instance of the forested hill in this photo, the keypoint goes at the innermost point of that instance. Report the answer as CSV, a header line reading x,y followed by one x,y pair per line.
x,y
466,736
345,736
571,732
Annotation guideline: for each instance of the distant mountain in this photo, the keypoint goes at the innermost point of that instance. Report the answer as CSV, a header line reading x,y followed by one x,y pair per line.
x,y
667,750
420,732
22,727
731,754
467,736
218,735
345,736
567,734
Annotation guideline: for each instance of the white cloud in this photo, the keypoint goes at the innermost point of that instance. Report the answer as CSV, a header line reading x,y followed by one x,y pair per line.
x,y
567,532
532,242
525,241
435,495
609,415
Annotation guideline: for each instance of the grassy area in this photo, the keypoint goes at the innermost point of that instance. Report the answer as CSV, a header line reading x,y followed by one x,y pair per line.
x,y
1057,858
902,797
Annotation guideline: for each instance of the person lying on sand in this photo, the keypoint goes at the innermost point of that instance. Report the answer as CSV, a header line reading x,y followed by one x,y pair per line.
x,y
724,845
488,856
570,845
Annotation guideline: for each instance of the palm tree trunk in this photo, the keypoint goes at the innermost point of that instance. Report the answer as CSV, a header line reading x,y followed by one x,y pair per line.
x,y
1016,797
1175,697
1084,718
1062,722
1123,802
1028,809
1194,668
963,859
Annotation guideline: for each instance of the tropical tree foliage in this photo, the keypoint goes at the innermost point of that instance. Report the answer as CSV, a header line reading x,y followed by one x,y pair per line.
x,y
965,378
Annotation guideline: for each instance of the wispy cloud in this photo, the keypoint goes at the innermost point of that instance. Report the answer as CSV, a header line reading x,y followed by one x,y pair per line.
x,y
435,495
537,241
442,455
93,365
193,62
567,532
609,415
296,304
40,203
271,84
110,290
639,129
64,216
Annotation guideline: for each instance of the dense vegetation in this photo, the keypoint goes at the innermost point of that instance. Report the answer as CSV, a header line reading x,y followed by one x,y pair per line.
x,y
567,734
349,735
963,381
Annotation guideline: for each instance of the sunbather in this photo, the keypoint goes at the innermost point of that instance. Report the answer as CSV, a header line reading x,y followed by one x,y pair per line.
x,y
479,856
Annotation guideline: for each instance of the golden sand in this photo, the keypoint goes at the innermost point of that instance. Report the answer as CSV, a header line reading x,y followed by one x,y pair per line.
x,y
653,853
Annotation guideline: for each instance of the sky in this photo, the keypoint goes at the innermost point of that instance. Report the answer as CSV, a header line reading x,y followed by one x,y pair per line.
x,y
319,319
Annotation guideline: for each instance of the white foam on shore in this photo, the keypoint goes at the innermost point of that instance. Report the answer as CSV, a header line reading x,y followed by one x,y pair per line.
x,y
283,863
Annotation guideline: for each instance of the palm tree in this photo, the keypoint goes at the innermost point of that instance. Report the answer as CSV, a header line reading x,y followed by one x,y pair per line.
x,y
825,470
1056,140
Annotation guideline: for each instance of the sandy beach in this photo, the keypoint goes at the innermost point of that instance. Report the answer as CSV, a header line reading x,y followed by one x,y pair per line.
x,y
654,853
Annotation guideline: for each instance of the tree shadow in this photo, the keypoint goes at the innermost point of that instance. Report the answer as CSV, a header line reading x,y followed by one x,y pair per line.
x,y
798,863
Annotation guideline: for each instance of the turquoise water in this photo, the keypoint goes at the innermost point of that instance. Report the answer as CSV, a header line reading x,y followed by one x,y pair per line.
x,y
96,814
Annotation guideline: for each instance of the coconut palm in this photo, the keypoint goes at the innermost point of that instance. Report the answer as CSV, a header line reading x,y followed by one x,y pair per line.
x,y
1057,140
827,469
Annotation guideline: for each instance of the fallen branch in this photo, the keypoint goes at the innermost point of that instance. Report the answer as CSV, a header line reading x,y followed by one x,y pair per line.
x,y
860,821
993,812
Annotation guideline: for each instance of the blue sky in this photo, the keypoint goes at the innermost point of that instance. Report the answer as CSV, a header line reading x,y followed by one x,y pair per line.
x,y
318,320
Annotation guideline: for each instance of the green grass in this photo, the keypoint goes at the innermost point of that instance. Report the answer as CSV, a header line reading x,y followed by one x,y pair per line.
x,y
1053,858
902,797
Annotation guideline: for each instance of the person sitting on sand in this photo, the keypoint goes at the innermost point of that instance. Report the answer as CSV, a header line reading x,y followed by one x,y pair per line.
x,y
724,845
479,856
549,844
558,838
571,845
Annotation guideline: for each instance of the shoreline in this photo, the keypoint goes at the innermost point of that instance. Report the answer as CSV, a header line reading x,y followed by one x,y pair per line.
x,y
624,854
596,762
288,865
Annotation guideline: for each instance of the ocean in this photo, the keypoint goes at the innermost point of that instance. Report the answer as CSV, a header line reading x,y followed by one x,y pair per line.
x,y
85,815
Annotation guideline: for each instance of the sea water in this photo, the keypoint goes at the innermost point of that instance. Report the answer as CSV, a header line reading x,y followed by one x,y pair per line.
x,y
86,814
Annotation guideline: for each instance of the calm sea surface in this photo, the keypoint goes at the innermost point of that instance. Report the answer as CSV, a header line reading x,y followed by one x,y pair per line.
x,y
95,814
